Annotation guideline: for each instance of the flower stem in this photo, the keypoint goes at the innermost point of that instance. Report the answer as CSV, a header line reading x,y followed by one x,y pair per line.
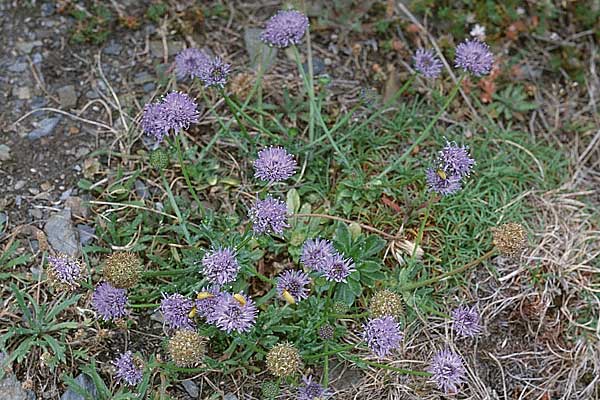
x,y
186,176
448,274
388,367
168,272
234,110
425,132
349,316
176,208
330,352
144,305
325,366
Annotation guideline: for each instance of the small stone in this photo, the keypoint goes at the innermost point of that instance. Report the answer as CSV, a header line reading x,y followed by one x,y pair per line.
x,y
47,9
4,152
36,213
92,94
18,67
61,233
157,49
113,49
11,388
140,189
82,152
34,191
86,383
22,93
26,47
20,184
191,388
86,234
67,96
46,127
3,218
150,86
319,66
142,77
230,396
77,206
36,58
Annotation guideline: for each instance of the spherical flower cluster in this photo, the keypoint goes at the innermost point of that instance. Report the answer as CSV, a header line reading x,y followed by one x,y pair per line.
x,y
311,390
215,72
453,163
109,302
207,303
235,313
187,348
510,239
220,266
122,270
64,271
274,164
382,335
189,63
128,369
269,216
270,390
475,57
447,370
176,310
317,254
159,159
326,332
285,28
466,321
427,63
175,112
339,268
292,286
283,360
385,303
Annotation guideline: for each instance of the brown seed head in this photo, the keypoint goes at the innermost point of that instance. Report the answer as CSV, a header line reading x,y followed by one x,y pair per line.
x,y
283,360
187,348
510,239
385,303
122,270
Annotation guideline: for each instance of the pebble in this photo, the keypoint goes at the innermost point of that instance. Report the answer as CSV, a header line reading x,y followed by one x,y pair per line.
x,y
18,67
77,207
92,94
47,9
113,49
319,66
26,47
86,383
86,234
20,184
10,388
46,127
230,396
4,152
22,93
140,189
191,388
67,96
156,48
36,213
61,233
142,77
3,218
150,86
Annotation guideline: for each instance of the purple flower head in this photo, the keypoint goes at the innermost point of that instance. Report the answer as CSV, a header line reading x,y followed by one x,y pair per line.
x,y
274,164
220,266
311,390
207,303
465,321
317,254
339,268
455,160
65,269
440,182
382,335
294,283
181,110
109,302
127,369
215,72
190,63
427,63
155,121
269,216
285,28
475,57
176,310
448,370
236,313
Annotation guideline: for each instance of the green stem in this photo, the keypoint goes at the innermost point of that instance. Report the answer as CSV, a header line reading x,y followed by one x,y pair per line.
x,y
168,272
419,237
349,316
144,305
260,276
448,274
311,85
325,366
426,131
329,352
186,176
389,367
176,208
434,311
234,110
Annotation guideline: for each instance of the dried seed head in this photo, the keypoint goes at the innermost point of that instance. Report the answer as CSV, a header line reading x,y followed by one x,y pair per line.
x,y
385,303
187,348
510,239
159,159
326,332
283,360
122,270
270,390
339,307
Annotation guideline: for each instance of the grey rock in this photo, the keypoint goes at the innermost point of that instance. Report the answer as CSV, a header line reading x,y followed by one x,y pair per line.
x,y
67,96
150,86
18,67
86,383
62,235
92,94
37,58
10,388
319,66
230,396
4,152
20,184
21,93
191,388
142,77
113,49
26,47
36,213
45,129
260,53
157,49
140,189
86,234
47,9
3,218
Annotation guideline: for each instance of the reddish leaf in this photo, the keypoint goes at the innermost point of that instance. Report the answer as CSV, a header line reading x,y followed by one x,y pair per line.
x,y
391,203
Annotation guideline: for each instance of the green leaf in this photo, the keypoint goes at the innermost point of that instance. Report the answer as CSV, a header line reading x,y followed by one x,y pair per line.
x,y
60,306
57,348
293,201
22,306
